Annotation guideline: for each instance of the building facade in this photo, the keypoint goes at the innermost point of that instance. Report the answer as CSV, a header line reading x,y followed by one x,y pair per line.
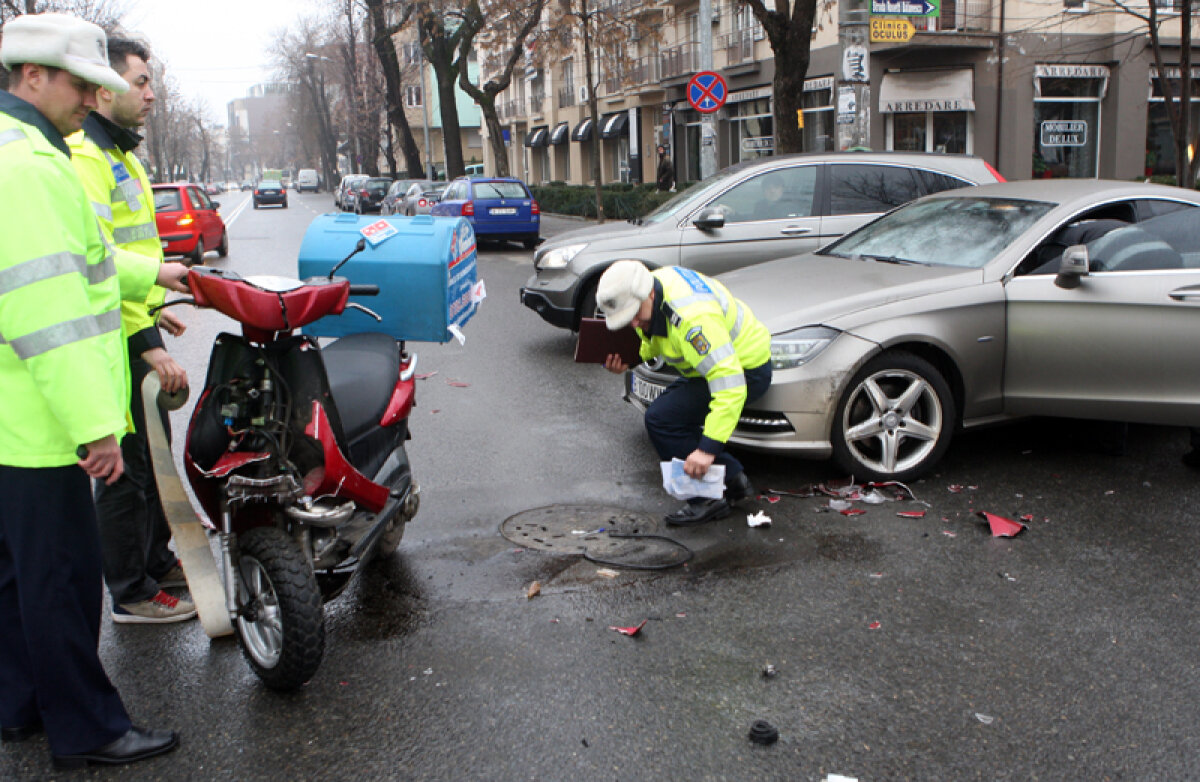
x,y
1036,88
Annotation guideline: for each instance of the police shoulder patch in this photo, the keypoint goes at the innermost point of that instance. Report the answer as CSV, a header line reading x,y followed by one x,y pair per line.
x,y
698,341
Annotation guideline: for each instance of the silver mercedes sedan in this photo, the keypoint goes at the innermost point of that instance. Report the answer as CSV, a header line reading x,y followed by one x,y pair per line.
x,y
1075,297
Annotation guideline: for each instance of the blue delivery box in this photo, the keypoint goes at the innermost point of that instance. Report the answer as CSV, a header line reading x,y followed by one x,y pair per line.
x,y
425,268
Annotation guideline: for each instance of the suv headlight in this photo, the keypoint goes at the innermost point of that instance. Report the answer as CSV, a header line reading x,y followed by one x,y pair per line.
x,y
798,347
558,257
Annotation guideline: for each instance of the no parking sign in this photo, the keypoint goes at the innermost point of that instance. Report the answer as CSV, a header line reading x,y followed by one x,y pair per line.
x,y
707,91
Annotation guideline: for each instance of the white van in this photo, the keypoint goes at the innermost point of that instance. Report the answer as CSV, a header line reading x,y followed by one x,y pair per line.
x,y
307,180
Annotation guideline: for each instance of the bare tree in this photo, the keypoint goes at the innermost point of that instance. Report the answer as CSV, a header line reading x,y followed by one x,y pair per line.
x,y
788,26
441,29
383,39
504,38
298,59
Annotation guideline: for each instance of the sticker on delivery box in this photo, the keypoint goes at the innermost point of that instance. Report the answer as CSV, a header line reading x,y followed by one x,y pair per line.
x,y
378,231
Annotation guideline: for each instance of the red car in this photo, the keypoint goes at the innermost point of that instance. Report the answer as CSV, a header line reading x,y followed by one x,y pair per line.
x,y
188,223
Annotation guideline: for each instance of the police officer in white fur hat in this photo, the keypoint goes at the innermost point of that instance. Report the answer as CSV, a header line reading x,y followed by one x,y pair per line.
x,y
63,382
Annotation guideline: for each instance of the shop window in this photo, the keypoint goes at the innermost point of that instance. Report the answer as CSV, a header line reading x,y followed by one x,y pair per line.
x,y
1066,119
751,135
817,104
1160,142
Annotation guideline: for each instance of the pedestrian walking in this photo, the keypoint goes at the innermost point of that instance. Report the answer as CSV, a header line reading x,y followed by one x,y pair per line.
x,y
62,379
134,532
666,171
723,354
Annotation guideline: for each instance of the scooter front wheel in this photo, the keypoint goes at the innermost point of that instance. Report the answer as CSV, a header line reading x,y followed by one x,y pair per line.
x,y
281,625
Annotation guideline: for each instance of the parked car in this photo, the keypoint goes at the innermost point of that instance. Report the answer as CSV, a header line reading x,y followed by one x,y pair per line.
x,y
421,196
475,169
188,222
213,188
247,185
307,179
344,189
368,194
745,214
270,192
390,205
1067,297
497,208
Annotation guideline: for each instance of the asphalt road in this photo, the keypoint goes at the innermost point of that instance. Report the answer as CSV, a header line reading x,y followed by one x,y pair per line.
x,y
920,649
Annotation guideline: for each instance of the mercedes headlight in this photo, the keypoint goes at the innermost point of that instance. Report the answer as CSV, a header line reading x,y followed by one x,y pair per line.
x,y
559,257
798,347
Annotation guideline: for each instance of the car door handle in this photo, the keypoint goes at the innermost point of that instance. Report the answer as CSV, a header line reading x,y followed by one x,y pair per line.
x,y
795,230
1190,293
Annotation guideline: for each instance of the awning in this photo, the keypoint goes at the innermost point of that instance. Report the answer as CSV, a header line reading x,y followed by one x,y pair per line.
x,y
583,131
952,90
615,125
560,133
537,137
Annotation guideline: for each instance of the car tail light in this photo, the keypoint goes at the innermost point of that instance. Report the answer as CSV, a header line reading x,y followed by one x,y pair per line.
x,y
257,192
535,209
468,209
363,193
421,202
995,173
186,219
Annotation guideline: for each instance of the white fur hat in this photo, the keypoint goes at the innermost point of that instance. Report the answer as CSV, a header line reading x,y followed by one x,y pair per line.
x,y
61,41
621,290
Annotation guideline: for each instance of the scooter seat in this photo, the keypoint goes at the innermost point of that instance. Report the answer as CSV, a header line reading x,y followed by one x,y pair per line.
x,y
362,371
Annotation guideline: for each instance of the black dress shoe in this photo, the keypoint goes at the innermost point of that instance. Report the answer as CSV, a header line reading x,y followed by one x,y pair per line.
x,y
740,488
698,513
20,733
136,744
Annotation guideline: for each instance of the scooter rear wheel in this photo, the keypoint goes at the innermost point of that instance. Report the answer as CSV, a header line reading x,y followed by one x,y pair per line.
x,y
281,626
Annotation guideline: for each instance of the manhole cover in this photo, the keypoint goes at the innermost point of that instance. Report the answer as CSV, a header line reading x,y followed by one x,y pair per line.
x,y
602,534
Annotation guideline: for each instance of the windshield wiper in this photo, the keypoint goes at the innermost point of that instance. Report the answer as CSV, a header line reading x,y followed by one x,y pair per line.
x,y
891,259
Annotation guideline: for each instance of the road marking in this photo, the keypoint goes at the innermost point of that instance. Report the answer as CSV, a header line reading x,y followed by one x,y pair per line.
x,y
237,212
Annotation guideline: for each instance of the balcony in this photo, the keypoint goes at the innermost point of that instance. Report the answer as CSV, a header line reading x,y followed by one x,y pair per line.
x,y
566,96
959,16
536,102
680,61
508,109
646,70
739,46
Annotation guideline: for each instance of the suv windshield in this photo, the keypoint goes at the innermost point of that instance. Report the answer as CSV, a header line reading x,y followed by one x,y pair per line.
x,y
378,185
963,231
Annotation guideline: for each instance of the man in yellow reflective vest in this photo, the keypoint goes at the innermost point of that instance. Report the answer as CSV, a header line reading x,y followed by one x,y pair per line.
x,y
63,379
723,354
133,530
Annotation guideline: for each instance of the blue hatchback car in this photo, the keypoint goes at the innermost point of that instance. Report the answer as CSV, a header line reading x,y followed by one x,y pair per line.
x,y
498,208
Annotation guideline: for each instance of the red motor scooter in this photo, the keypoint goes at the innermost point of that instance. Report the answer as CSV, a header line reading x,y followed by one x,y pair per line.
x,y
296,452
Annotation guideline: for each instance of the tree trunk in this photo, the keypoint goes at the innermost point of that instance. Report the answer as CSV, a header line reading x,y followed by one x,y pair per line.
x,y
451,131
593,107
390,61
791,43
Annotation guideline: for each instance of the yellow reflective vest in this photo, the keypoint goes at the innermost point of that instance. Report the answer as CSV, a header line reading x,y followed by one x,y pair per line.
x,y
709,334
117,186
63,366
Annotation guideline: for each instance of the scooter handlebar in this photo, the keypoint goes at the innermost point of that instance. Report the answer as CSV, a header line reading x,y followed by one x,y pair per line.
x,y
364,290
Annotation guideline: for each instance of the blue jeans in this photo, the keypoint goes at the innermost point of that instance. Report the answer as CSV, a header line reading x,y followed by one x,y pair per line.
x,y
675,421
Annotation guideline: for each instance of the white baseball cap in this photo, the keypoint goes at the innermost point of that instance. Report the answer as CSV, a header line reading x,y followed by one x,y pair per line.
x,y
61,41
621,290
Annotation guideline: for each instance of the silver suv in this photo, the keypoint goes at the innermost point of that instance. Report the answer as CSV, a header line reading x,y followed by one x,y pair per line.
x,y
746,214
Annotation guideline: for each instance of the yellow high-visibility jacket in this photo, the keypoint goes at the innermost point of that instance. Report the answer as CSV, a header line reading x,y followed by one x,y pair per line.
x,y
709,334
116,183
63,366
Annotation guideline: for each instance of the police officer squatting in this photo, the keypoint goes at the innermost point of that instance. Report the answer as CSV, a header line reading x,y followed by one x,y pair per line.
x,y
721,351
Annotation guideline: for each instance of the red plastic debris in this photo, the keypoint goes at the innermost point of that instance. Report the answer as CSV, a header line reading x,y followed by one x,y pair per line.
x,y
852,512
771,498
630,631
1002,527
911,514
458,384
425,375
874,626
949,534
1027,518
954,488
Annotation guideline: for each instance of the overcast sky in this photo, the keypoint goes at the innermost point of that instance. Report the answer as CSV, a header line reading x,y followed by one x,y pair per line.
x,y
216,49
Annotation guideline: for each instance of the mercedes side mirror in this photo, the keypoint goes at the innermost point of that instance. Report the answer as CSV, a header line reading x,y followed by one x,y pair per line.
x,y
1074,264
710,218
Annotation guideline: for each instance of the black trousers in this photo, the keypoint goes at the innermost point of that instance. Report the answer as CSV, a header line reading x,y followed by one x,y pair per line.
x,y
133,530
50,605
675,421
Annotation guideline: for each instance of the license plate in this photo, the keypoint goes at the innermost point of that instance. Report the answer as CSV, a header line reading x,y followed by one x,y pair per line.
x,y
507,210
645,391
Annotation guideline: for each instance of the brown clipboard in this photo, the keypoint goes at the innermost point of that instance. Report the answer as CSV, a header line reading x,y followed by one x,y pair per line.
x,y
596,342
